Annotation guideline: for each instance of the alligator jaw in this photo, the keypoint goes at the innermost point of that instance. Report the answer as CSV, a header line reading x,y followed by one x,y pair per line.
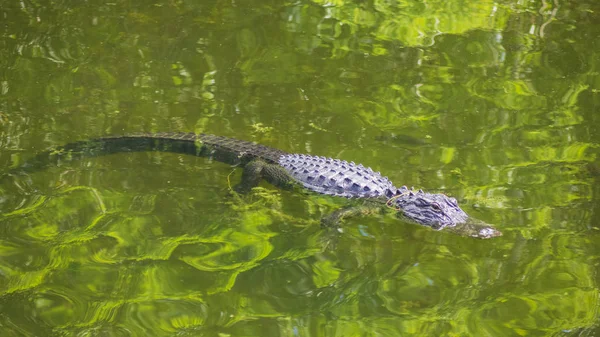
x,y
474,228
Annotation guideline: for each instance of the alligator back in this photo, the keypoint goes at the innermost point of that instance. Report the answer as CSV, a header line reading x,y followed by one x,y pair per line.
x,y
319,174
337,177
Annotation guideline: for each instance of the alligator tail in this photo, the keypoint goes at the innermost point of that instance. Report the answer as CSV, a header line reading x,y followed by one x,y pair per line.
x,y
228,150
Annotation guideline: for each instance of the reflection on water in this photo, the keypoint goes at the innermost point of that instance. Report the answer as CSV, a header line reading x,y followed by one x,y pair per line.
x,y
490,102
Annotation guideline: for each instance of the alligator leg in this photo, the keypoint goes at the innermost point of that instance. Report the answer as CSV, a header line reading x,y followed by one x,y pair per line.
x,y
334,219
278,176
251,176
257,170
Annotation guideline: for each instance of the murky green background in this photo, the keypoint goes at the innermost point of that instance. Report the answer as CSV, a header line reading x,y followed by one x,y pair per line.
x,y
493,102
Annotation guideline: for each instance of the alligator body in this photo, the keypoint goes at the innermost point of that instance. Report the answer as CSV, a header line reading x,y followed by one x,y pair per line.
x,y
319,174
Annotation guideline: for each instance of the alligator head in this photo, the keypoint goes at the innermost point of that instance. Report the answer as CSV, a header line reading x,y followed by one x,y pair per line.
x,y
438,211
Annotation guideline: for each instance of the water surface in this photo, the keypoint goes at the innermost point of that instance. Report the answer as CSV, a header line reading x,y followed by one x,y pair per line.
x,y
492,102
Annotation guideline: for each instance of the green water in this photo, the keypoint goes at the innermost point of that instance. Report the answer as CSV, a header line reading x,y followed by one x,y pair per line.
x,y
492,102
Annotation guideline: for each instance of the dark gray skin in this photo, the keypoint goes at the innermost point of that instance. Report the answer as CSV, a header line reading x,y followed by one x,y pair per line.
x,y
439,211
433,210
341,178
319,174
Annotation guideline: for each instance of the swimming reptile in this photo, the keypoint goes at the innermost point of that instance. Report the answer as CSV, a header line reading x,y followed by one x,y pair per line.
x,y
318,174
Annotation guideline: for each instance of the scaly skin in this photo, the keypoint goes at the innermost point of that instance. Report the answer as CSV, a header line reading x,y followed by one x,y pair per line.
x,y
319,174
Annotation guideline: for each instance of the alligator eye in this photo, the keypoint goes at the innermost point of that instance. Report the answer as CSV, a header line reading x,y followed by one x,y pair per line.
x,y
436,206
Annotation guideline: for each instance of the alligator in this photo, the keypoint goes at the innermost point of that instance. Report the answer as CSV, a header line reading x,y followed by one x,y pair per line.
x,y
322,175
